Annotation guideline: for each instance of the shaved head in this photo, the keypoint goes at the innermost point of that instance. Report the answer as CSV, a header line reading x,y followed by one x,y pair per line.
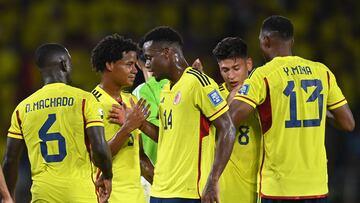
x,y
48,55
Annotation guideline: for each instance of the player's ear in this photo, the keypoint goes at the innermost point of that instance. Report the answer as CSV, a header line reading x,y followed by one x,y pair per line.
x,y
109,66
267,41
65,65
249,64
166,52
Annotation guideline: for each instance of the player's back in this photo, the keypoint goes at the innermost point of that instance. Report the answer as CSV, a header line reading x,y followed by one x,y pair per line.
x,y
53,121
292,105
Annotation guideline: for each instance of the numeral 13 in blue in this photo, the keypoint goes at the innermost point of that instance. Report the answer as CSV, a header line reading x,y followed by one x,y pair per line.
x,y
45,137
294,122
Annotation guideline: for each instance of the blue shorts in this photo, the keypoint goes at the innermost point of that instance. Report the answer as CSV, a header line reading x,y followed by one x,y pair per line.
x,y
173,200
317,200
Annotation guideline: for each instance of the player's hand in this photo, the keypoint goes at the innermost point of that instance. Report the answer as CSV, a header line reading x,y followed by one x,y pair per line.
x,y
103,188
138,114
197,65
233,93
211,192
117,114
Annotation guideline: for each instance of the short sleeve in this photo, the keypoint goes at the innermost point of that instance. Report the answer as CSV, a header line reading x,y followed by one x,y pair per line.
x,y
210,101
335,97
253,91
92,111
15,130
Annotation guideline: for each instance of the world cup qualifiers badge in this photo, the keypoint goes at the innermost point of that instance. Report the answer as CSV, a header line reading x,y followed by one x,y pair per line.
x,y
244,89
177,98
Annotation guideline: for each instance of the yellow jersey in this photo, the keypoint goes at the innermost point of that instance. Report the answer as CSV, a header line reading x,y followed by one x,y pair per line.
x,y
292,95
126,185
238,182
186,110
52,122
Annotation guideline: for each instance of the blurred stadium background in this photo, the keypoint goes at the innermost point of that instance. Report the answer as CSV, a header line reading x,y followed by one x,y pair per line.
x,y
325,30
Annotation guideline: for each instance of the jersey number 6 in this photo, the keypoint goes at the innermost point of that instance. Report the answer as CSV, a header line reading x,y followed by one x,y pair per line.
x,y
45,136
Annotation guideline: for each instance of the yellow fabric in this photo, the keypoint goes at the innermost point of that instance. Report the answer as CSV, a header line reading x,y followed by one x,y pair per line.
x,y
194,98
238,182
51,121
126,185
298,94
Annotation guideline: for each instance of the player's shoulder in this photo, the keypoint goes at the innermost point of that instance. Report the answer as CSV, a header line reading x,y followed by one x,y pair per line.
x,y
193,76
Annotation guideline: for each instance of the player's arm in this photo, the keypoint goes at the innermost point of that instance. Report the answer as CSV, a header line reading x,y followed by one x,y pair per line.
x,y
100,150
342,118
239,111
101,157
14,149
147,168
225,132
135,117
5,195
150,130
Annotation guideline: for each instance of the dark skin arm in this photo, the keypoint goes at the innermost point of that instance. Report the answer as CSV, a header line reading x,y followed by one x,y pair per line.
x,y
147,168
102,159
341,118
14,149
150,130
225,131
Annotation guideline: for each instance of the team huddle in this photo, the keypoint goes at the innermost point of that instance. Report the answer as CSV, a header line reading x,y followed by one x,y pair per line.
x,y
179,137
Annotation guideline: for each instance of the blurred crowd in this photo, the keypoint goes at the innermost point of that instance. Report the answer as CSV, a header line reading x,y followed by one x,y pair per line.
x,y
325,30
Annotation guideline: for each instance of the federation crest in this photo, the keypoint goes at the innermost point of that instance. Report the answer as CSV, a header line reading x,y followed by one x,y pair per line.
x,y
244,89
215,97
177,98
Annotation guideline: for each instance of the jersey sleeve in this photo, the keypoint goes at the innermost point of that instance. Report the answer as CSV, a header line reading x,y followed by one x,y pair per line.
x,y
15,130
210,101
93,112
253,91
335,97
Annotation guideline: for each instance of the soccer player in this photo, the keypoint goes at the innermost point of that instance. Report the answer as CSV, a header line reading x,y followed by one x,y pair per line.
x,y
188,103
150,91
239,180
115,57
54,124
292,95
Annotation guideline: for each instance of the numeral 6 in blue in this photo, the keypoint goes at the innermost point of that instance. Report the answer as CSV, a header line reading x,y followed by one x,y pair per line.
x,y
44,136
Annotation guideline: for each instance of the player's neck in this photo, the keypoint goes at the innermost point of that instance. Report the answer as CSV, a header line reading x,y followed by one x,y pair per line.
x,y
112,89
178,71
54,78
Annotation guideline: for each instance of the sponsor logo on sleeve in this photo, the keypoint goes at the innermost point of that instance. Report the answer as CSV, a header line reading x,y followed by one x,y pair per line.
x,y
215,97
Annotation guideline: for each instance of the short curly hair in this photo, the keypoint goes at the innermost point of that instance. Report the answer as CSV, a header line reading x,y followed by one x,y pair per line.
x,y
230,47
110,49
162,34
